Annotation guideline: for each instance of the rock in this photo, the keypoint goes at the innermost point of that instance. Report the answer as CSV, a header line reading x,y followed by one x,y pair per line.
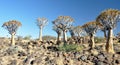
x,y
109,58
52,48
115,55
76,54
65,54
59,60
86,45
47,58
21,54
86,52
90,58
99,63
118,61
94,52
101,57
32,62
84,58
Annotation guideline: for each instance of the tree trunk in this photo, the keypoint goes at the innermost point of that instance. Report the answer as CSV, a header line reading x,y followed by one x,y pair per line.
x,y
72,35
79,35
12,39
92,43
105,38
64,37
105,35
40,34
58,38
109,44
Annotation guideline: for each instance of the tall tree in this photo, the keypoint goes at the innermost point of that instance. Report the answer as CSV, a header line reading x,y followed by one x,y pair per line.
x,y
64,23
59,33
72,33
109,19
41,22
91,28
12,27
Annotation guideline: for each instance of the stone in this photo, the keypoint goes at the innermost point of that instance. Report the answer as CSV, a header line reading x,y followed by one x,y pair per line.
x,y
99,63
13,62
84,58
90,58
76,54
118,61
101,57
86,45
94,52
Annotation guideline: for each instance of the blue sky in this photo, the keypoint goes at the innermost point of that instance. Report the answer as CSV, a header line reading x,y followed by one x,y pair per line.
x,y
27,11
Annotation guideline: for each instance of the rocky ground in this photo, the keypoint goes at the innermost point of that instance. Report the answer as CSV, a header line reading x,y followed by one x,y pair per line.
x,y
45,53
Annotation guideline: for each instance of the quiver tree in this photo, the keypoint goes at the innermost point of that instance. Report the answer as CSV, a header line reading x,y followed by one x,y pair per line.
x,y
12,27
59,33
63,23
78,30
71,30
109,19
91,28
104,30
118,35
41,22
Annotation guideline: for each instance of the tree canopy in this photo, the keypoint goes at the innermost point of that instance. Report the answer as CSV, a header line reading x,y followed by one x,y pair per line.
x,y
12,26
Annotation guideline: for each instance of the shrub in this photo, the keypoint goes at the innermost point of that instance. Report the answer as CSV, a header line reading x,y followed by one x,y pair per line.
x,y
99,39
48,38
70,47
28,37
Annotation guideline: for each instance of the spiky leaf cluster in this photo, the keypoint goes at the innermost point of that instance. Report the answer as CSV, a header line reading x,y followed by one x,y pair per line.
x,y
109,18
78,30
91,27
57,30
63,22
41,22
12,26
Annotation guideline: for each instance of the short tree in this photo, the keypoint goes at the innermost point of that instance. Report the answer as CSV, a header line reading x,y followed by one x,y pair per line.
x,y
78,30
63,23
91,28
109,19
41,22
118,35
12,27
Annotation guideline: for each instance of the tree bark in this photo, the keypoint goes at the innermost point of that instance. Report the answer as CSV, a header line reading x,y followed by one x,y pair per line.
x,y
58,38
12,39
105,38
92,43
72,35
79,35
109,44
40,34
64,37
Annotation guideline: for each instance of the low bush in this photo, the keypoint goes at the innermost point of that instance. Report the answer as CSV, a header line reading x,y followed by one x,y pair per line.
x,y
99,40
70,47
